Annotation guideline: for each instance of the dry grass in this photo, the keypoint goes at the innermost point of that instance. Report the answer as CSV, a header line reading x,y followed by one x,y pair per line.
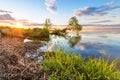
x,y
13,65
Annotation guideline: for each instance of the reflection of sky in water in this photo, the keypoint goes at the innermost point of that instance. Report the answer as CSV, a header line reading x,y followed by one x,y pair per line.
x,y
90,44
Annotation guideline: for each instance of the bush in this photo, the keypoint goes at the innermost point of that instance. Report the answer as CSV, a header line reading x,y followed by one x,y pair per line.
x,y
40,34
59,32
62,66
44,32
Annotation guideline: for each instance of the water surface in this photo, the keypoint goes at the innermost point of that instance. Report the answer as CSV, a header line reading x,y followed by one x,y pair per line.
x,y
100,42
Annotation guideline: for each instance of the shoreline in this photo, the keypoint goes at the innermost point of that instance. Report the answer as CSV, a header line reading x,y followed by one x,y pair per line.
x,y
13,64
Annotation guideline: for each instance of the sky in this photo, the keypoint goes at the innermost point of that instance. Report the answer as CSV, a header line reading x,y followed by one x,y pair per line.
x,y
34,12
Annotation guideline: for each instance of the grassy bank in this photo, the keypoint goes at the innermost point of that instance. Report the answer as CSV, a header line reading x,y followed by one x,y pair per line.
x,y
61,66
38,33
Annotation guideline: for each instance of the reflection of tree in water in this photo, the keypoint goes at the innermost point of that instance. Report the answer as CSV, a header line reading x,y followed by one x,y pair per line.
x,y
74,40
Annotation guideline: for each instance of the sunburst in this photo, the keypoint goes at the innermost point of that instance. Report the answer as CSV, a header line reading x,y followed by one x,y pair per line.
x,y
19,25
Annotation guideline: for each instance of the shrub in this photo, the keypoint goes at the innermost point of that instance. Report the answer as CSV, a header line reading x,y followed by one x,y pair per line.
x,y
59,32
40,34
62,66
44,32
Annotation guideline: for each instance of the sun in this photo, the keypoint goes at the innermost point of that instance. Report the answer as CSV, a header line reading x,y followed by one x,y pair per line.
x,y
19,25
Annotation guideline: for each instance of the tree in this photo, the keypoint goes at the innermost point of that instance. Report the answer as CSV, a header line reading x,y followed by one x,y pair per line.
x,y
74,24
48,23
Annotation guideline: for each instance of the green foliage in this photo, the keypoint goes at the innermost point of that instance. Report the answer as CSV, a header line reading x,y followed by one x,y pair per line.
x,y
59,32
44,32
53,77
40,33
74,24
26,32
62,66
36,33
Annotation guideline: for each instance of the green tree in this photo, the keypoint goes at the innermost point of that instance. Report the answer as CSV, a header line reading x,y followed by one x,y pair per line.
x,y
48,23
74,24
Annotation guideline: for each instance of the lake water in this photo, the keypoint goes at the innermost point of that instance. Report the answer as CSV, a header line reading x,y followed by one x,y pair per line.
x,y
98,42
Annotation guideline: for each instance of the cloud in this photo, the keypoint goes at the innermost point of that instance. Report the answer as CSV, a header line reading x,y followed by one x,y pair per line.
x,y
3,11
32,24
111,2
52,9
28,23
103,21
103,25
82,47
50,5
95,11
9,20
50,2
6,17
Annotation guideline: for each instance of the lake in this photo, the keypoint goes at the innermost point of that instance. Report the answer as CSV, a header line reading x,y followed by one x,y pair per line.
x,y
100,41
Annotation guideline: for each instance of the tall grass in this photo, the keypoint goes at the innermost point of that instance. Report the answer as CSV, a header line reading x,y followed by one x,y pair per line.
x,y
62,66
